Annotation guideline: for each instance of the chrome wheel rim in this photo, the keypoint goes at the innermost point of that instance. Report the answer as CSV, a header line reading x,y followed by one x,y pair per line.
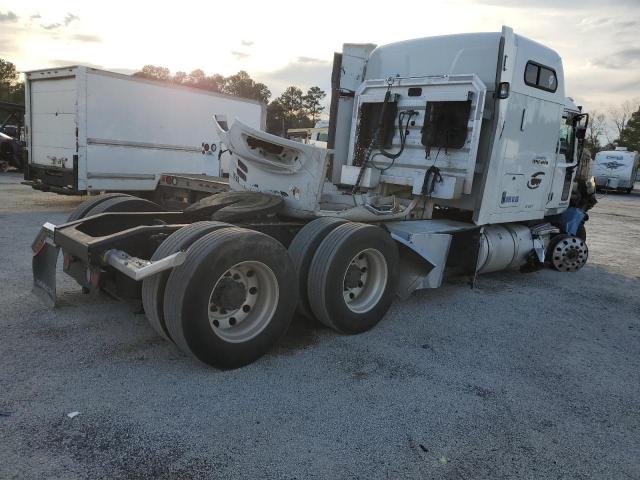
x,y
243,301
570,254
365,280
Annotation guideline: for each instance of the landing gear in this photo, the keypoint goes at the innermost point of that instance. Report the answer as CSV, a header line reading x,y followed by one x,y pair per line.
x,y
568,253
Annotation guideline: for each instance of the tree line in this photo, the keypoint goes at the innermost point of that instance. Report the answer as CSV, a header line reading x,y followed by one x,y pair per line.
x,y
11,87
293,109
617,126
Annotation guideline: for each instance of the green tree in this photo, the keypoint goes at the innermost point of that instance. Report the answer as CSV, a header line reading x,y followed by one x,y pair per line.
x,y
292,102
198,79
276,121
179,78
312,103
242,85
11,88
154,73
630,136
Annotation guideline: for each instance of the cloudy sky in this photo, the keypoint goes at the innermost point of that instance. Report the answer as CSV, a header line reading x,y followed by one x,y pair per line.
x,y
291,42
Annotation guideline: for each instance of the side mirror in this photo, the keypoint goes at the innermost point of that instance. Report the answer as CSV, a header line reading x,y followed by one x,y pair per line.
x,y
503,90
581,133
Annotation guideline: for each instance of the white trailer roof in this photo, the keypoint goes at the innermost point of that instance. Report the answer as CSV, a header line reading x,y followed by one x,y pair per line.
x,y
69,70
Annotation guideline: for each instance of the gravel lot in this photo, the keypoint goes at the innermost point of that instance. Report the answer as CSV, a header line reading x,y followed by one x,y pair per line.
x,y
527,376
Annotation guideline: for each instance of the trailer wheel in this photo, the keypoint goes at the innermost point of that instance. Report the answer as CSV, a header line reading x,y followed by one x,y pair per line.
x,y
126,203
352,277
153,287
568,253
301,251
83,209
232,299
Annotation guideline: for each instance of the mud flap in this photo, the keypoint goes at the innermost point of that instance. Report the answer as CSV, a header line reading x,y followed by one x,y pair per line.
x,y
45,258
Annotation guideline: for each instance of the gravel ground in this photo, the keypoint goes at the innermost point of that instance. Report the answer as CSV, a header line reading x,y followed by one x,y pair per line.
x,y
527,376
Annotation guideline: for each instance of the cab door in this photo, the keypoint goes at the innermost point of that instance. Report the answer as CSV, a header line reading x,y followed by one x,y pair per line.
x,y
565,159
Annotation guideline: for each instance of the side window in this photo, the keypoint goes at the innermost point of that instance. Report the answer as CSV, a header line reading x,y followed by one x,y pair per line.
x,y
531,74
539,76
565,142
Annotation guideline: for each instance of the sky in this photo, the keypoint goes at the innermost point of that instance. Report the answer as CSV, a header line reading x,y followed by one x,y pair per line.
x,y
282,43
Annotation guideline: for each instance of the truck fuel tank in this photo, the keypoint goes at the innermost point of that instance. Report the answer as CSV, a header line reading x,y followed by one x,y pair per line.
x,y
504,246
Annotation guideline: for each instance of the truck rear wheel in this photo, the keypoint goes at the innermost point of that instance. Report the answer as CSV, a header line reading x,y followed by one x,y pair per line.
x,y
352,277
301,251
153,287
83,209
232,299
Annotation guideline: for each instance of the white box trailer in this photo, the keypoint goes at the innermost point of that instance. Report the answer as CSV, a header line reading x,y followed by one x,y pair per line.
x,y
93,130
616,170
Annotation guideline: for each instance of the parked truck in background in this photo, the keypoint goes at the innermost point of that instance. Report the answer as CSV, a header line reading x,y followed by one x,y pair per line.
x,y
616,170
451,155
90,130
318,135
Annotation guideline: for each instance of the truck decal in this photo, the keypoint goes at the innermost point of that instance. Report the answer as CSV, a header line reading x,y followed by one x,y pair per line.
x,y
613,165
535,180
509,198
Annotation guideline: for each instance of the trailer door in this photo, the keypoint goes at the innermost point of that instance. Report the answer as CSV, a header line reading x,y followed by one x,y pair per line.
x,y
53,122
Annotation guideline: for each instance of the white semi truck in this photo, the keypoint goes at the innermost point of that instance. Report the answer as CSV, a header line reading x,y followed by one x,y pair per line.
x,y
616,170
90,130
450,155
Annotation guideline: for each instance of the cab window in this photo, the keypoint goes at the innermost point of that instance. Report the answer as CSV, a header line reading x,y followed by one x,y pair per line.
x,y
565,143
539,76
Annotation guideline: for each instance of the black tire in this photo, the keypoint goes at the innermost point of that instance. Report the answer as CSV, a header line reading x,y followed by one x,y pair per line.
x,y
302,249
190,286
83,209
236,206
153,287
125,204
329,270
